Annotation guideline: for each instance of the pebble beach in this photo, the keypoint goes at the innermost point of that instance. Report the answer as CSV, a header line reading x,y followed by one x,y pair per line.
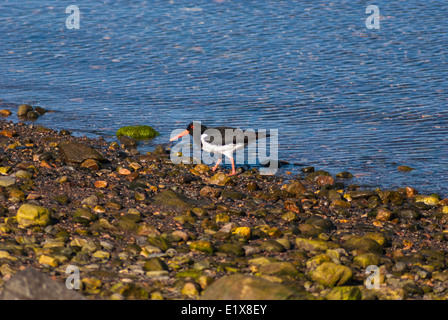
x,y
138,227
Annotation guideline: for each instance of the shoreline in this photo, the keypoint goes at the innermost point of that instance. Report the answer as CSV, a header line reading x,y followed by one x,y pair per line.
x,y
362,177
139,227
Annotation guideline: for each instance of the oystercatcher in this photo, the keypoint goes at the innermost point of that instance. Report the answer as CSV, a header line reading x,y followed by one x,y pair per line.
x,y
222,140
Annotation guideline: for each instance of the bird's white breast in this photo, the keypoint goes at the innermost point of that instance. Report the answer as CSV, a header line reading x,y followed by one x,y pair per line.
x,y
223,149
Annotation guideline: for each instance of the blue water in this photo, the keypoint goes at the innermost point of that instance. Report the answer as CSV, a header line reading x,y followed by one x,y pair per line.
x,y
342,96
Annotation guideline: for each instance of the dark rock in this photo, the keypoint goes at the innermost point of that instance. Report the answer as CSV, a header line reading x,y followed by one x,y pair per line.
x,y
128,142
159,242
308,169
146,158
296,188
32,115
363,244
61,199
315,174
344,175
235,195
186,178
31,284
393,197
40,110
252,186
405,168
272,246
77,152
413,289
24,109
323,180
155,264
208,191
46,156
407,213
245,287
84,216
361,194
121,155
324,225
422,273
136,185
232,249
329,194
172,200
159,150
282,269
65,132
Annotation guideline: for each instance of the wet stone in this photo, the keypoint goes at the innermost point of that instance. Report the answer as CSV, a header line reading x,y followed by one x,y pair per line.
x,y
30,215
155,264
244,287
77,152
31,284
6,181
232,249
272,246
344,175
24,109
221,179
331,274
363,244
407,213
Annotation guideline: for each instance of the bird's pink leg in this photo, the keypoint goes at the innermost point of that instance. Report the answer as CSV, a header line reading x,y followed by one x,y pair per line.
x,y
233,167
216,165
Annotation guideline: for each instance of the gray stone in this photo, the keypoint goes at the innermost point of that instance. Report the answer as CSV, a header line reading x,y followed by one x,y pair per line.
x,y
77,152
7,181
245,287
31,284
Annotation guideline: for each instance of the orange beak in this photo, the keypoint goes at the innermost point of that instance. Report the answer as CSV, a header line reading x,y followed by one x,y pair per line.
x,y
184,133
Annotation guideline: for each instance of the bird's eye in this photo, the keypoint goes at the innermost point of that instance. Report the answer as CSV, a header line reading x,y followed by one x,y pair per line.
x,y
192,127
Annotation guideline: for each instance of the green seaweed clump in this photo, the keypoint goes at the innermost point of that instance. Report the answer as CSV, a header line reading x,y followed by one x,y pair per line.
x,y
137,132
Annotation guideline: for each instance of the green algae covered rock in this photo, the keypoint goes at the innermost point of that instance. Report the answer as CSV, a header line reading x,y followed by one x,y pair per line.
x,y
331,274
203,246
33,215
137,132
221,179
345,293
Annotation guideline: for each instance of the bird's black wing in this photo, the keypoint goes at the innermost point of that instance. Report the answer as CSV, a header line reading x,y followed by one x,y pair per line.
x,y
236,136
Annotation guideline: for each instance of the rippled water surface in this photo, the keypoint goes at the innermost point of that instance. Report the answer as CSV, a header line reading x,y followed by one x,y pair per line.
x,y
343,97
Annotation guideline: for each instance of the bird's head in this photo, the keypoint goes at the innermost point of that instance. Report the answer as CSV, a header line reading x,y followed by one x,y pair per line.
x,y
192,126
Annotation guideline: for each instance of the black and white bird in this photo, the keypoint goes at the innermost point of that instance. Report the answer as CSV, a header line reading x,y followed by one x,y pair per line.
x,y
221,140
